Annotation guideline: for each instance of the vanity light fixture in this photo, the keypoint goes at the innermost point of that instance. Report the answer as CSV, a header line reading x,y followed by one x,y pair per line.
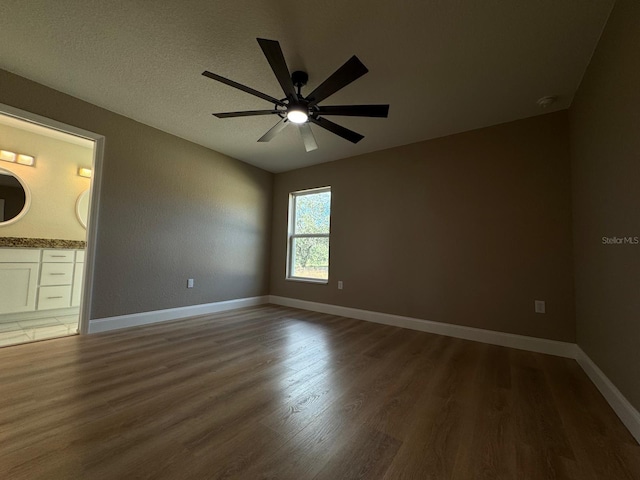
x,y
20,158
26,160
85,172
7,156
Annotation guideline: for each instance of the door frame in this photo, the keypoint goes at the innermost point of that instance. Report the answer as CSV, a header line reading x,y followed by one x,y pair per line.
x,y
94,199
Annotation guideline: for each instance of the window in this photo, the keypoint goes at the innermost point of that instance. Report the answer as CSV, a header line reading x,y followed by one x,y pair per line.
x,y
308,243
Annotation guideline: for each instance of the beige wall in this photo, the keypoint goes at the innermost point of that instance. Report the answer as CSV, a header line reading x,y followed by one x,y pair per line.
x,y
605,141
169,210
53,182
468,229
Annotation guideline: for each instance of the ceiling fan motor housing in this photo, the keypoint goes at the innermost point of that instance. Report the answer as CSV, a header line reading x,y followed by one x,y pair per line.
x,y
299,78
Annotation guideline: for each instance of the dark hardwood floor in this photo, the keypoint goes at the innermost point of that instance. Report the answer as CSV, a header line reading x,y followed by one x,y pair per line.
x,y
278,393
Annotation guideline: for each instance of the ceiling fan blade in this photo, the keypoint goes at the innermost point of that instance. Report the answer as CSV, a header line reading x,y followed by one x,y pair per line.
x,y
273,131
244,88
248,113
355,110
345,133
307,137
347,73
273,52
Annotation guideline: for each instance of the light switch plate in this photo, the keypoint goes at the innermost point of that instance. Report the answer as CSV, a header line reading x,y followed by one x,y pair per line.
x,y
540,306
190,283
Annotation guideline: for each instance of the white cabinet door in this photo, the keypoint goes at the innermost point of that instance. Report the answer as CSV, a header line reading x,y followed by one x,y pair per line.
x,y
18,284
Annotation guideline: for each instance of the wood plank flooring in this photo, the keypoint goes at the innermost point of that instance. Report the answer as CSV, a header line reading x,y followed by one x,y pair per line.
x,y
278,393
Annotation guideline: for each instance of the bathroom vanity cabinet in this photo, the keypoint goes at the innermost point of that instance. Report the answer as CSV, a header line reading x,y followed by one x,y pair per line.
x,y
40,279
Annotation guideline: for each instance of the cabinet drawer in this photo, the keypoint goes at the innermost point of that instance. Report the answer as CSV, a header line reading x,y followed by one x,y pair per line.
x,y
58,256
19,255
56,274
54,297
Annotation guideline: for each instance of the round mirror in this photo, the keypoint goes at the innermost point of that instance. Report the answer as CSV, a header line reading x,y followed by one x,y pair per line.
x,y
82,208
15,198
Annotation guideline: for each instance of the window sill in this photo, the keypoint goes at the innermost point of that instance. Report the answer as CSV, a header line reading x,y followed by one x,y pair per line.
x,y
307,280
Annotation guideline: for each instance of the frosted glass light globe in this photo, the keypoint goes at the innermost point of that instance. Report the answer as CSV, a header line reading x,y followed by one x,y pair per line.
x,y
297,116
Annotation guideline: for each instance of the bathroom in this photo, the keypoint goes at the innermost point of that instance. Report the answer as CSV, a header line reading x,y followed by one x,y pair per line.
x,y
45,181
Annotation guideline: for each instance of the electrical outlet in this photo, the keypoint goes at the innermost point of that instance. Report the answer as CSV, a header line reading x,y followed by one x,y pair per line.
x,y
190,283
339,284
540,306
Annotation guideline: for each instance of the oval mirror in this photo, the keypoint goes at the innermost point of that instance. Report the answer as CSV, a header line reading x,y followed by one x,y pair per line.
x,y
82,208
15,198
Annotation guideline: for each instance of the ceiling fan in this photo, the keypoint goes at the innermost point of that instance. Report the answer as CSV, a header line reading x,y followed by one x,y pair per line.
x,y
300,110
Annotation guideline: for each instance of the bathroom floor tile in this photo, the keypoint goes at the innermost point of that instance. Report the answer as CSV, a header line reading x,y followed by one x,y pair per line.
x,y
72,329
48,332
32,329
39,322
11,334
69,319
21,338
9,327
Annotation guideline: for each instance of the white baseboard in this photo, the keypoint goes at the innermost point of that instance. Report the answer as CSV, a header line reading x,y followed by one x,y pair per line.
x,y
521,342
145,318
627,412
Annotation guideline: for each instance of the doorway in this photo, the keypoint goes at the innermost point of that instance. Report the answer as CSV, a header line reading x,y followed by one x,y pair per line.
x,y
49,177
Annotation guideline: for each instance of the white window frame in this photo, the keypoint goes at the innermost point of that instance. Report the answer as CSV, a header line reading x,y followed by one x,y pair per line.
x,y
291,224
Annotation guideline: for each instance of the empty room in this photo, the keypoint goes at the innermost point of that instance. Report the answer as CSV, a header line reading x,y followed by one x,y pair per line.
x,y
320,240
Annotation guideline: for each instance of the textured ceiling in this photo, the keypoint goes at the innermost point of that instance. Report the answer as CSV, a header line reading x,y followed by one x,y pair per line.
x,y
444,66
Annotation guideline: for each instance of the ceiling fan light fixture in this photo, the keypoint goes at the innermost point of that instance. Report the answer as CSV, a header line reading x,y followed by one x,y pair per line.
x,y
297,115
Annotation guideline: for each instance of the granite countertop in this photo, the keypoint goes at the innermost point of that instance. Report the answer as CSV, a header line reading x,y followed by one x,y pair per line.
x,y
21,242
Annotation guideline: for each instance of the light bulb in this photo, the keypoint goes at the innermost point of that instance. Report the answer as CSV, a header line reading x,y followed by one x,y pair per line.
x,y
7,156
297,115
84,172
26,160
